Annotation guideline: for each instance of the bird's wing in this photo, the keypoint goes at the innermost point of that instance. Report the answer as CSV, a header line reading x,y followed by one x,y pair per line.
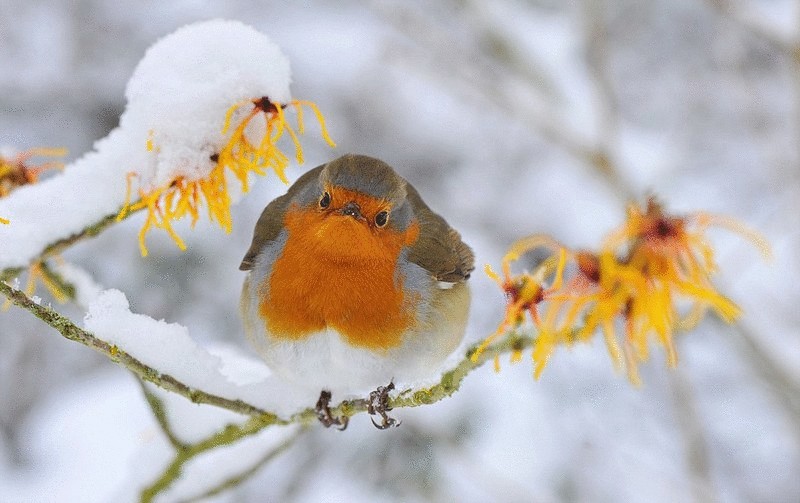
x,y
439,248
270,223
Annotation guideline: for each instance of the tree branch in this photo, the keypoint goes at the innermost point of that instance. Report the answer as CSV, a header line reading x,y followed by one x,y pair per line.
x,y
259,418
69,330
160,414
60,245
235,480
449,383
229,435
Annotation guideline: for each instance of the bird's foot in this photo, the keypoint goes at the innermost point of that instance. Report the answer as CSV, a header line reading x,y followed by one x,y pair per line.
x,y
323,411
379,404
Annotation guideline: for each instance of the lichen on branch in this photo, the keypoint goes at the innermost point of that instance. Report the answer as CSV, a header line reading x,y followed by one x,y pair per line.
x,y
448,384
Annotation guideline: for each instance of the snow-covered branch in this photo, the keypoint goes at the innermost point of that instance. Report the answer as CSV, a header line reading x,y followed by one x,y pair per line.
x,y
71,331
447,385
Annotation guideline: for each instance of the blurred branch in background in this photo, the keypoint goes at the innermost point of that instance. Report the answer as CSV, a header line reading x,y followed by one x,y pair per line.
x,y
755,26
490,66
596,46
185,453
238,479
784,387
788,46
160,415
698,462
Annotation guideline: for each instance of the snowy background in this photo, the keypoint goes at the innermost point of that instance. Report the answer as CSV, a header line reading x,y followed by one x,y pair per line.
x,y
497,113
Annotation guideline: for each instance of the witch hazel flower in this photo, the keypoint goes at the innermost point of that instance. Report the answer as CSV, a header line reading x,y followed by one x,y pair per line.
x,y
208,102
41,272
666,259
16,170
526,291
640,279
208,107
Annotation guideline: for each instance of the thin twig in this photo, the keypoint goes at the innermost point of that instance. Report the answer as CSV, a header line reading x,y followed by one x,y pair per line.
x,y
62,244
160,414
235,480
229,435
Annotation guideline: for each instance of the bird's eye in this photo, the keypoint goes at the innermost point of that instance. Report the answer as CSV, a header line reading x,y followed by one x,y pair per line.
x,y
325,200
381,218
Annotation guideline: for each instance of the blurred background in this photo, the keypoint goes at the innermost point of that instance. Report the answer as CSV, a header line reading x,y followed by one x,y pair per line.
x,y
511,117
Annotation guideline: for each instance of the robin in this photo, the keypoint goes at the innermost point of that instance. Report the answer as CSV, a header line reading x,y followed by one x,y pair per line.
x,y
353,281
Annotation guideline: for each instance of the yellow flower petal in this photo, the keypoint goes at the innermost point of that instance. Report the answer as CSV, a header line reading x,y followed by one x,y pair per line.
x,y
181,197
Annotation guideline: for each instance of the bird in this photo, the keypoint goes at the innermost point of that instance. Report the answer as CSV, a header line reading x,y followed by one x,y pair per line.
x,y
353,281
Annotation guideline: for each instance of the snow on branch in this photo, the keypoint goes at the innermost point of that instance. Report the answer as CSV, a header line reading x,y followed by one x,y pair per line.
x,y
163,354
205,102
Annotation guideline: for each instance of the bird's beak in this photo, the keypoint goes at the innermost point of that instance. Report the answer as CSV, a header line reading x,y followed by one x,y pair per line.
x,y
353,209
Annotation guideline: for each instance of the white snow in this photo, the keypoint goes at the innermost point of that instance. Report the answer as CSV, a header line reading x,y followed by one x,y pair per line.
x,y
88,189
185,83
108,410
168,348
86,289
177,100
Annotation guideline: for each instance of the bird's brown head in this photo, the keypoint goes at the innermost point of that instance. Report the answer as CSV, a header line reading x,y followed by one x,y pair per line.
x,y
356,210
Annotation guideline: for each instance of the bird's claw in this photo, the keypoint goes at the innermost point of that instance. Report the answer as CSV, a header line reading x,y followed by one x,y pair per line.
x,y
379,404
324,415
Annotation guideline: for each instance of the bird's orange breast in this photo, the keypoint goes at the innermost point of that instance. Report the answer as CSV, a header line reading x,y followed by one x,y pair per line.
x,y
337,272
